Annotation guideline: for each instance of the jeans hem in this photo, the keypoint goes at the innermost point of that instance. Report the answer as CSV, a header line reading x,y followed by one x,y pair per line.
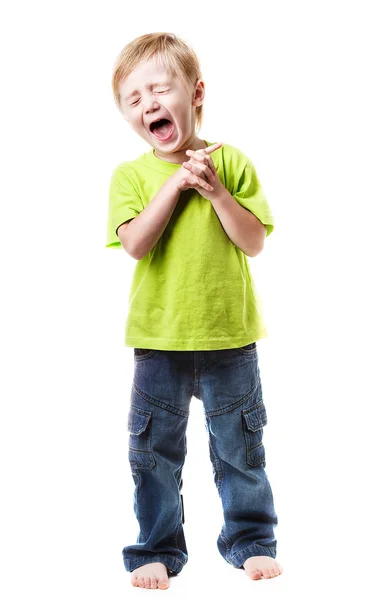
x,y
252,550
173,564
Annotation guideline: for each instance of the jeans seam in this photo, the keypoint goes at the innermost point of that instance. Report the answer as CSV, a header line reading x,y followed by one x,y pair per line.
x,y
175,538
217,466
158,555
228,545
230,408
261,546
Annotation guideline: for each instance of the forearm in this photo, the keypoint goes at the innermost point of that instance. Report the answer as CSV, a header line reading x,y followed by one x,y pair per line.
x,y
147,228
242,227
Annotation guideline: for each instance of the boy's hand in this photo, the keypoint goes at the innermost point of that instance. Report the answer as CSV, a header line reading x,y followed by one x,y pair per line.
x,y
199,172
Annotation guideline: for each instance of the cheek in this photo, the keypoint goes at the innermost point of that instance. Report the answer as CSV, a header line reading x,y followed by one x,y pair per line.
x,y
181,112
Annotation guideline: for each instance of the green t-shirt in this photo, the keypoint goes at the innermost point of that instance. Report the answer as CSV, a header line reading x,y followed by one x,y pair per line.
x,y
194,289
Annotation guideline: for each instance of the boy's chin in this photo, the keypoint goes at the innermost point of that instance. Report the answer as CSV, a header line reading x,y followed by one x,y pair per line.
x,y
166,148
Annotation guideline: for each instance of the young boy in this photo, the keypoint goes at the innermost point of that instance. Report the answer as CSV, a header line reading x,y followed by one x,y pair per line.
x,y
190,212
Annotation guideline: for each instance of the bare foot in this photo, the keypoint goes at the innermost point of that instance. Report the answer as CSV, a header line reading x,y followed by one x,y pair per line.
x,y
151,576
262,566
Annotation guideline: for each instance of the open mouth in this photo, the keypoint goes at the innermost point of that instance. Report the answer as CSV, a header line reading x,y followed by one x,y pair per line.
x,y
162,129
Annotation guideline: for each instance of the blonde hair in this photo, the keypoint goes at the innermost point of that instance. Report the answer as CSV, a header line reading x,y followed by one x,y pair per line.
x,y
175,54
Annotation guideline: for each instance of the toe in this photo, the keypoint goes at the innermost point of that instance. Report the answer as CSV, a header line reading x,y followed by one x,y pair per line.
x,y
256,574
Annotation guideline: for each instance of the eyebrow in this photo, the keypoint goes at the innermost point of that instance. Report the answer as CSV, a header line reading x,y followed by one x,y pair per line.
x,y
137,91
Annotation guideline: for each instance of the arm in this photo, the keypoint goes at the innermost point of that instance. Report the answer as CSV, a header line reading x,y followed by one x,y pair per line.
x,y
142,233
242,227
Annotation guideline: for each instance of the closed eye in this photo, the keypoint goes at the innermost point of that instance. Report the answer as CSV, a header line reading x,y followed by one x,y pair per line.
x,y
159,92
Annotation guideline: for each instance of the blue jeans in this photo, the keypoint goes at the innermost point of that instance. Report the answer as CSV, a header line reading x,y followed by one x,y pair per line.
x,y
228,383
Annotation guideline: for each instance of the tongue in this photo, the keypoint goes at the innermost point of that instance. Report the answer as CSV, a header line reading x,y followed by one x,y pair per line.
x,y
164,130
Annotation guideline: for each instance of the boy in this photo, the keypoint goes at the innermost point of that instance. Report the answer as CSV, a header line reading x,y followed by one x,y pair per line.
x,y
194,313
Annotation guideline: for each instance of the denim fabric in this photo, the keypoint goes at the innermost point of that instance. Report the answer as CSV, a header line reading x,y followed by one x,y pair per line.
x,y
228,383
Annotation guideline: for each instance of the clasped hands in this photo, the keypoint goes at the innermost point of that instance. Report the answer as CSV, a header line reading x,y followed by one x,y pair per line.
x,y
205,178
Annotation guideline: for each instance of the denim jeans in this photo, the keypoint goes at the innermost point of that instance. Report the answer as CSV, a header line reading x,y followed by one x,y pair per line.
x,y
228,383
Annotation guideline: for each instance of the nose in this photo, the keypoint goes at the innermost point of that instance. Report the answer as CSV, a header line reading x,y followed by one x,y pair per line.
x,y
150,103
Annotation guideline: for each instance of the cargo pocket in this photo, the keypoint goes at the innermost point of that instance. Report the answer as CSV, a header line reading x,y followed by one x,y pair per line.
x,y
139,427
255,418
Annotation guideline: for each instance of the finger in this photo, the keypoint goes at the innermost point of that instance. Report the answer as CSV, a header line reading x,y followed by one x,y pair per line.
x,y
209,173
198,154
196,182
204,184
210,149
207,150
200,169
200,157
211,164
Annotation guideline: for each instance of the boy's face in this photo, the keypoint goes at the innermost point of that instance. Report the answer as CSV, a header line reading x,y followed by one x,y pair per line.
x,y
150,93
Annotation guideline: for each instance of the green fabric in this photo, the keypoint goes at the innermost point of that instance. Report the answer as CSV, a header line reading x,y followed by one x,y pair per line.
x,y
194,290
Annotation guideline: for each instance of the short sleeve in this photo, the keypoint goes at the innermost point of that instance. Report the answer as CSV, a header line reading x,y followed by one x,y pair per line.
x,y
124,204
249,193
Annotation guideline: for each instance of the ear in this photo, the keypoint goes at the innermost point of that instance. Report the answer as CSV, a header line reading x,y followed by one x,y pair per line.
x,y
199,93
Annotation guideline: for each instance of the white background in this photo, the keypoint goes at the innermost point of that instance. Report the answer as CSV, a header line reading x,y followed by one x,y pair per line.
x,y
286,82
